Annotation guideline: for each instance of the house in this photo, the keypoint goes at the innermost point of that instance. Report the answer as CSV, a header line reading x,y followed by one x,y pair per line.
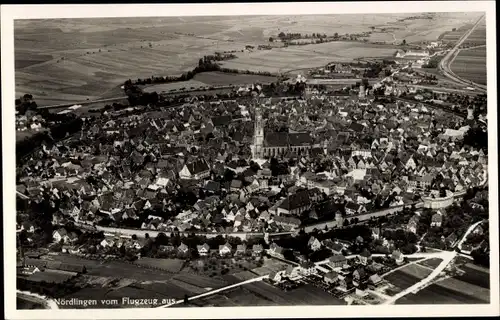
x,y
196,170
225,249
203,250
287,222
334,246
28,227
436,220
337,261
412,224
276,277
292,272
398,257
478,230
276,250
241,249
376,233
183,249
257,249
364,256
331,277
374,280
345,284
354,208
314,244
307,268
30,270
105,243
59,234
359,276
295,204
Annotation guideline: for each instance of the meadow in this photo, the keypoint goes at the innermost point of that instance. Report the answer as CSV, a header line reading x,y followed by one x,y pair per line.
x,y
67,60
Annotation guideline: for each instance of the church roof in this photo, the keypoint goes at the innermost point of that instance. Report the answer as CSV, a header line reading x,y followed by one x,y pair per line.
x,y
284,139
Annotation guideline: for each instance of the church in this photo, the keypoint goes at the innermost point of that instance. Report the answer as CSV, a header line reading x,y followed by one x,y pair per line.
x,y
277,144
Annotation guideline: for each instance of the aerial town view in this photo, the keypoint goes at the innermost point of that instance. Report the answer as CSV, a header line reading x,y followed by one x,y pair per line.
x,y
252,161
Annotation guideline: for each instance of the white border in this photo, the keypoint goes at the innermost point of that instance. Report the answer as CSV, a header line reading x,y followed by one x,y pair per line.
x,y
11,12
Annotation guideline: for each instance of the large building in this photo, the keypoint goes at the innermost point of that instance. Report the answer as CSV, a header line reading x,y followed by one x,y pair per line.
x,y
277,144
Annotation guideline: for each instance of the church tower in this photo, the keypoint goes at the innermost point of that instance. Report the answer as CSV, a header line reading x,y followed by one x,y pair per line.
x,y
258,137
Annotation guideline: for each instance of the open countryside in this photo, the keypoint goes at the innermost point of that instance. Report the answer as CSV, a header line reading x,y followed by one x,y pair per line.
x,y
66,61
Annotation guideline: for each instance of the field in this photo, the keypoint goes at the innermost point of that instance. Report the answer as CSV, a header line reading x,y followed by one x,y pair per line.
x,y
261,293
478,36
270,266
206,80
169,265
68,60
402,279
114,269
307,56
470,64
431,263
471,287
23,303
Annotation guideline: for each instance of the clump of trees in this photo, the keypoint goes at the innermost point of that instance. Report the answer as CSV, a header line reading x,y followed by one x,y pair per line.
x,y
25,103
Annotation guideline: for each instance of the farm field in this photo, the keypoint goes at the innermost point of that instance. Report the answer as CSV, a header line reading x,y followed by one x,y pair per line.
x,y
223,79
25,304
175,86
169,265
475,277
471,287
307,56
439,294
402,279
431,263
478,36
470,64
206,80
114,269
68,60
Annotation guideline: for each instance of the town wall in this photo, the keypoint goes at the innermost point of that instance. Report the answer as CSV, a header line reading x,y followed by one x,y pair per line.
x,y
438,203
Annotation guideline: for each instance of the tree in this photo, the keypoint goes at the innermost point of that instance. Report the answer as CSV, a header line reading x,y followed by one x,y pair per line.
x,y
271,39
404,42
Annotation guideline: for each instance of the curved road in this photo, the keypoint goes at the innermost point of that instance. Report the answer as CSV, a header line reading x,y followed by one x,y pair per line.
x,y
445,63
49,303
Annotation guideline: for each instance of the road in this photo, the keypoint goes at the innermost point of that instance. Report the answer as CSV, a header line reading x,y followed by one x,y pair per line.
x,y
55,106
471,228
445,63
447,257
49,303
211,292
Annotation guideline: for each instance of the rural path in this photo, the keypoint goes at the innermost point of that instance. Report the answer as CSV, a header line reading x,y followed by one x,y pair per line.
x,y
445,63
209,293
51,304
471,228
447,257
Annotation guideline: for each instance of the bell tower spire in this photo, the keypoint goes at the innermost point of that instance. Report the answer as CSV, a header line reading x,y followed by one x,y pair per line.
x,y
258,138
